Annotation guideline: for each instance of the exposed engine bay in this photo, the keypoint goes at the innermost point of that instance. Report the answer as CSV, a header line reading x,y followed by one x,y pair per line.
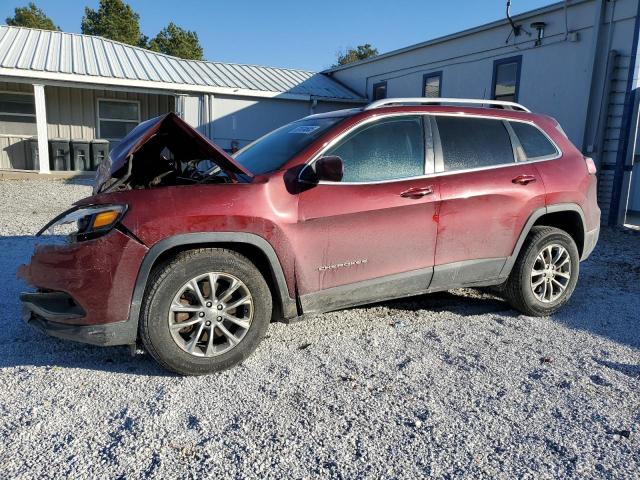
x,y
166,151
151,168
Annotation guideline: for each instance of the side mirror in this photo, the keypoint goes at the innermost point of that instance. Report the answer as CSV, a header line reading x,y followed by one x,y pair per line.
x,y
329,168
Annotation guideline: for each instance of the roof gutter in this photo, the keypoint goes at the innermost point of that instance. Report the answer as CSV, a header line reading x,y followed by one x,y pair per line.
x,y
85,81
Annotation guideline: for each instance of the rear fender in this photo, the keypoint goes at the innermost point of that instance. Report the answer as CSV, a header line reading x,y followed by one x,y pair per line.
x,y
535,216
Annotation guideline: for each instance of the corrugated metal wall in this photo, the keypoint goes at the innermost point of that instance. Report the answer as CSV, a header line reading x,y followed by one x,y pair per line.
x,y
71,114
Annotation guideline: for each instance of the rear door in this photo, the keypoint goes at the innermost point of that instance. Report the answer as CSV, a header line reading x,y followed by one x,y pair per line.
x,y
487,197
373,234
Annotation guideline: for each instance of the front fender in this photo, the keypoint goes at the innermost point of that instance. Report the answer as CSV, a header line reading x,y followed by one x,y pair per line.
x,y
289,309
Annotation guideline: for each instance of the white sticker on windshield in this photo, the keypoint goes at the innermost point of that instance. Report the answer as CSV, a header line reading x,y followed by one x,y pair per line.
x,y
304,129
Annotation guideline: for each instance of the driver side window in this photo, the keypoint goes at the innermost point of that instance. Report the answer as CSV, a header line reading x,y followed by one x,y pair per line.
x,y
389,149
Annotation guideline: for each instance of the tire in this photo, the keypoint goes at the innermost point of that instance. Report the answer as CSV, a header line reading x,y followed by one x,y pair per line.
x,y
519,289
171,299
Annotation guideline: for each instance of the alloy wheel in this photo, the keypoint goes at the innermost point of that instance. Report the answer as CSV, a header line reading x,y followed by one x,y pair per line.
x,y
210,314
551,273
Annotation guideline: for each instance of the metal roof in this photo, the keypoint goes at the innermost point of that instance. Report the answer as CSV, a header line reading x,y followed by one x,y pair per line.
x,y
66,56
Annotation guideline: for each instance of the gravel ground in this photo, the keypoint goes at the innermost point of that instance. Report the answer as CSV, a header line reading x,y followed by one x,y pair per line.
x,y
451,385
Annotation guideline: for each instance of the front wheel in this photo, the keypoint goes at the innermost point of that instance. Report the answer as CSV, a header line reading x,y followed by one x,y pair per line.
x,y
205,310
545,273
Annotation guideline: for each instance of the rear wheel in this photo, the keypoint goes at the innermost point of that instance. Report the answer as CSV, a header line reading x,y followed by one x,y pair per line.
x,y
206,310
545,273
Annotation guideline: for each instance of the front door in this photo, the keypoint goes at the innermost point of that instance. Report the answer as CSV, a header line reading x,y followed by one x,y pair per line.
x,y
371,236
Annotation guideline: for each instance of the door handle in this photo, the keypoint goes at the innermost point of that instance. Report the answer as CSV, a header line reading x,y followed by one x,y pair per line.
x,y
524,179
417,192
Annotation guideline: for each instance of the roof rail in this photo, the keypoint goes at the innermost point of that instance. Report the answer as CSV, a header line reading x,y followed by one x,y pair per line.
x,y
427,101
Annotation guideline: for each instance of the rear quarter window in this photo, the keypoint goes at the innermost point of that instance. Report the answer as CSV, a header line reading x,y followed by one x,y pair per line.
x,y
534,143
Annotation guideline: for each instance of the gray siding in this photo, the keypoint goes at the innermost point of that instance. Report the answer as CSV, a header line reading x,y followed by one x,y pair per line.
x,y
71,114
13,152
246,119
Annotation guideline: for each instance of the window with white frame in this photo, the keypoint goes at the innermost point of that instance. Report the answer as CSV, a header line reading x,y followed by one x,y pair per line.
x,y
116,118
17,114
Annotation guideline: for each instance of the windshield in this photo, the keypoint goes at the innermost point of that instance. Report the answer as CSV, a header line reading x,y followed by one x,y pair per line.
x,y
270,152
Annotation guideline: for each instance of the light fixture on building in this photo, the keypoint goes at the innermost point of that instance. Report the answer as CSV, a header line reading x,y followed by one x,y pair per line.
x,y
539,26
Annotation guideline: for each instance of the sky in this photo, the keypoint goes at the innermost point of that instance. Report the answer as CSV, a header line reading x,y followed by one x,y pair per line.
x,y
295,34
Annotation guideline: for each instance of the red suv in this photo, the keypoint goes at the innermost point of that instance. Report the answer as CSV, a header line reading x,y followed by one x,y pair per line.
x,y
193,252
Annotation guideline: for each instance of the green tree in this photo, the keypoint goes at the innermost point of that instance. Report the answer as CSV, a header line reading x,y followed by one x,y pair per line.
x,y
354,54
31,17
176,41
115,20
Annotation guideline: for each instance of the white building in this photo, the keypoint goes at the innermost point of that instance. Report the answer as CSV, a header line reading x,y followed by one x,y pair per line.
x,y
574,60
78,87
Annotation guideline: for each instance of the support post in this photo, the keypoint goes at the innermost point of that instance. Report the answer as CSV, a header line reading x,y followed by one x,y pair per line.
x,y
41,128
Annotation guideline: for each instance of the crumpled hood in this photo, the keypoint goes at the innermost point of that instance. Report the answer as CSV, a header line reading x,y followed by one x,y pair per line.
x,y
142,149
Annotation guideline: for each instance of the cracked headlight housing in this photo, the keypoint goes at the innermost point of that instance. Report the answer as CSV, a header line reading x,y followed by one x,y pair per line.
x,y
85,222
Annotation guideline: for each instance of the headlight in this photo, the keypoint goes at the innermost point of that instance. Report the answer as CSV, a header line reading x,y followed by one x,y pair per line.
x,y
84,223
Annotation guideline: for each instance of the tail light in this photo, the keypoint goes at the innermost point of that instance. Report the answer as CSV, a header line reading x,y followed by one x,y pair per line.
x,y
591,166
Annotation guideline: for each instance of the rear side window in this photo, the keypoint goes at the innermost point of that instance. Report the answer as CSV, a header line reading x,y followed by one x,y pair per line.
x,y
534,143
473,143
386,150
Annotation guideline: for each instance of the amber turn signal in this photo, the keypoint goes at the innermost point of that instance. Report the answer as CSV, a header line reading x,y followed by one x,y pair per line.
x,y
104,219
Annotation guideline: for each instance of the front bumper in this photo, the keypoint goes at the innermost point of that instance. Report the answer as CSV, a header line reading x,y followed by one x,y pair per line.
x,y
84,289
110,334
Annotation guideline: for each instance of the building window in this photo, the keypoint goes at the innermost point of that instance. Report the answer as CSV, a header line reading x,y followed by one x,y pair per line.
x,y
379,91
432,85
506,79
17,114
116,118
17,107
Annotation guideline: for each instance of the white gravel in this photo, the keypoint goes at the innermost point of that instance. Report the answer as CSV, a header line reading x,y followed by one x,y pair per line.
x,y
452,385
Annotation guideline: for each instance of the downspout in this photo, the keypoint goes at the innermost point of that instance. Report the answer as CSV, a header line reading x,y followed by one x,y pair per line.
x,y
601,126
179,101
211,115
598,21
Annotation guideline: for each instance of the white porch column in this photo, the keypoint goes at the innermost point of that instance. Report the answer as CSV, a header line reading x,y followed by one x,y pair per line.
x,y
41,128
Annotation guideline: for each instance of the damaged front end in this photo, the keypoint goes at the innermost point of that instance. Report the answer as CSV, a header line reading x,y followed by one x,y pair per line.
x,y
83,288
166,151
84,268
